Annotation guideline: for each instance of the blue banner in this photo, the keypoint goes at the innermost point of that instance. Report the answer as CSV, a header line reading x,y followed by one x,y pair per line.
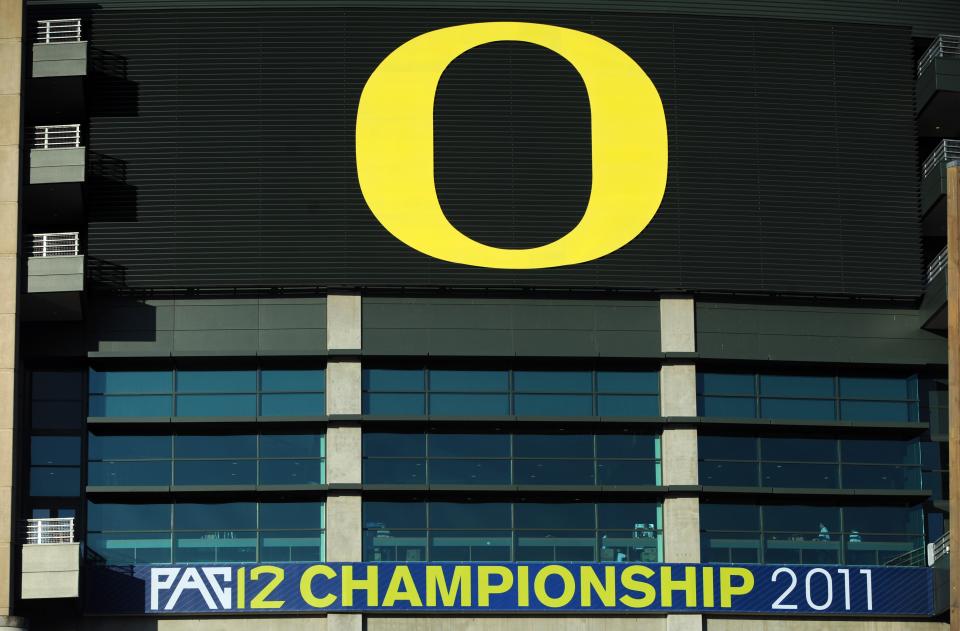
x,y
510,587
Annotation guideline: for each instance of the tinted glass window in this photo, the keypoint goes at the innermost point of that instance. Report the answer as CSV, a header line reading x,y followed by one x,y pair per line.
x,y
393,444
216,381
468,515
291,446
215,446
274,380
291,515
131,382
468,380
128,447
729,384
128,516
560,515
799,449
231,516
55,450
552,381
394,515
796,386
729,517
727,447
469,445
553,446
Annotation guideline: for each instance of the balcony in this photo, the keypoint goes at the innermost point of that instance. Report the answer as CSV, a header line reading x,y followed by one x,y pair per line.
x,y
933,187
938,88
50,566
59,50
58,163
933,309
55,278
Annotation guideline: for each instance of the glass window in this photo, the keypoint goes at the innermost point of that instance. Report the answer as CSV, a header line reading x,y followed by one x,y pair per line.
x,y
729,517
292,445
291,472
798,409
130,517
55,481
469,515
544,515
468,380
627,382
55,450
56,385
799,449
552,381
140,447
292,404
553,404
217,405
726,383
276,380
469,471
727,447
56,414
394,515
129,473
215,472
878,388
468,445
291,515
132,406
626,445
393,380
131,382
219,446
217,381
227,516
553,446
796,386
388,444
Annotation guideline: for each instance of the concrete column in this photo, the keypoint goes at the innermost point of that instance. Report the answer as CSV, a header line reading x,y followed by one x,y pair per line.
x,y
678,397
344,515
11,31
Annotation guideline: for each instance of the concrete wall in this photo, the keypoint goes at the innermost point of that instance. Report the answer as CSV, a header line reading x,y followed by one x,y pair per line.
x,y
50,571
54,274
60,60
53,166
11,30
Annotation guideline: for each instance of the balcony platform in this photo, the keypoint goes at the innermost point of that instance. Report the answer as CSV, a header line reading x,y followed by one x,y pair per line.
x,y
50,570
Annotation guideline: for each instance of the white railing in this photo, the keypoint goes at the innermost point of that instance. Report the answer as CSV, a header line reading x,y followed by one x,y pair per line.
x,y
49,530
938,548
55,244
56,136
942,46
58,31
937,265
946,151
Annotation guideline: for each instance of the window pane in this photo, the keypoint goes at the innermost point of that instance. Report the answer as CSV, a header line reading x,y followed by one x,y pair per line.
x,y
543,515
388,471
287,545
283,472
217,405
628,516
553,446
57,385
131,382
55,450
627,446
122,517
214,472
801,475
404,546
130,473
221,446
796,386
878,411
296,515
623,382
219,546
730,547
727,447
798,409
469,445
469,404
470,545
402,404
729,517
552,381
55,481
57,414
880,451
553,404
556,545
871,476
130,548
627,405
394,515
805,519
393,380
627,472
727,407
875,388
721,383
801,449
468,380
131,405
232,516
469,515
554,472
291,445
273,380
642,545
391,444
884,519
128,447
292,405
216,381
715,473
469,471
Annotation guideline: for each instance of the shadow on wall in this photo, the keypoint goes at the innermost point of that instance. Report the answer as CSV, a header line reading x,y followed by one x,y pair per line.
x,y
109,196
111,93
117,319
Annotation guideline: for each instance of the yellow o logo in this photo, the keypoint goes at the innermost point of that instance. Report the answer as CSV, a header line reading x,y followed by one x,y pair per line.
x,y
395,146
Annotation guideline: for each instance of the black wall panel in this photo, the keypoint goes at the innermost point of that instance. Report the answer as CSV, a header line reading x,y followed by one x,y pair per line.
x,y
792,157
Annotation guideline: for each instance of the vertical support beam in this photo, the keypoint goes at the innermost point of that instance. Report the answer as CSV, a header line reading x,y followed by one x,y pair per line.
x,y
953,361
11,33
678,397
344,514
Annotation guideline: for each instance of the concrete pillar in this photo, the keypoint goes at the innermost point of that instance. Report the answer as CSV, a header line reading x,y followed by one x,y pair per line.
x,y
344,397
11,32
678,397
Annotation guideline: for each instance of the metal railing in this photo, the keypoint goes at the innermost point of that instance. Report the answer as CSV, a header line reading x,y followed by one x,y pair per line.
x,y
938,549
58,31
56,136
49,530
937,265
946,151
55,244
942,46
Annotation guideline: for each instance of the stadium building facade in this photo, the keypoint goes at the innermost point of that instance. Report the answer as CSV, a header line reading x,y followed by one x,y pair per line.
x,y
453,315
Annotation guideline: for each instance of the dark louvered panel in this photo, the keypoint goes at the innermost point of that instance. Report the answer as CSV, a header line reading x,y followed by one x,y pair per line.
x,y
792,157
